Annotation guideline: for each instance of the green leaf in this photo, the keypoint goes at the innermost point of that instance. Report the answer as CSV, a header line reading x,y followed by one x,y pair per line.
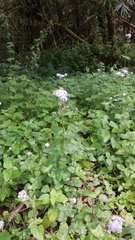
x,y
113,124
53,196
46,222
52,214
4,235
2,148
60,197
114,143
133,233
126,57
103,198
57,196
63,231
6,123
127,229
16,147
72,148
105,135
3,192
79,204
127,172
38,232
15,173
7,163
55,128
10,59
7,174
44,198
13,129
109,161
98,232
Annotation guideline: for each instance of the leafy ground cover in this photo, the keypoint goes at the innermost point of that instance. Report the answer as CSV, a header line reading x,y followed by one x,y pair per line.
x,y
67,167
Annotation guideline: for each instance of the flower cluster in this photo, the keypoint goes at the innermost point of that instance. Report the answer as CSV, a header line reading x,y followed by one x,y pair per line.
x,y
115,224
23,196
61,94
61,75
128,35
120,74
1,225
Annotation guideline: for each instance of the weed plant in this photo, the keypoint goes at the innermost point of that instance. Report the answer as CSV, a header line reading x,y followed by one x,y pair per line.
x,y
67,166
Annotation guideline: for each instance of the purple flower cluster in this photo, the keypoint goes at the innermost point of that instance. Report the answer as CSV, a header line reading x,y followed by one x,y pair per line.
x,y
128,35
115,224
61,94
120,74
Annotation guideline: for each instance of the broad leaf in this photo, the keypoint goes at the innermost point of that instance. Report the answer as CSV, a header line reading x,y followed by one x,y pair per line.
x,y
38,232
52,214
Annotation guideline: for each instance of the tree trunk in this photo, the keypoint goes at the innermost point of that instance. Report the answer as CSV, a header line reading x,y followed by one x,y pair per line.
x,y
110,20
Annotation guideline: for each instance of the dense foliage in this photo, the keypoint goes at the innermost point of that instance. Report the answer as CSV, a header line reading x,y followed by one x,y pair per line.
x,y
67,120
67,34
74,159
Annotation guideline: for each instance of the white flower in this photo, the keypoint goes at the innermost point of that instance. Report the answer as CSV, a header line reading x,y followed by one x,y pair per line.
x,y
47,144
124,70
128,35
0,103
73,200
111,98
10,149
61,75
61,94
1,225
120,74
111,70
98,70
115,224
23,196
124,94
29,154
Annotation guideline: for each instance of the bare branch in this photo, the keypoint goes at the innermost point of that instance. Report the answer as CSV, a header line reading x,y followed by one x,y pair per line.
x,y
69,32
13,213
125,21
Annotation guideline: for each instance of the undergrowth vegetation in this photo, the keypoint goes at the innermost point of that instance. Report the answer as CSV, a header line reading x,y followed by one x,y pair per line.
x,y
67,166
72,58
79,57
